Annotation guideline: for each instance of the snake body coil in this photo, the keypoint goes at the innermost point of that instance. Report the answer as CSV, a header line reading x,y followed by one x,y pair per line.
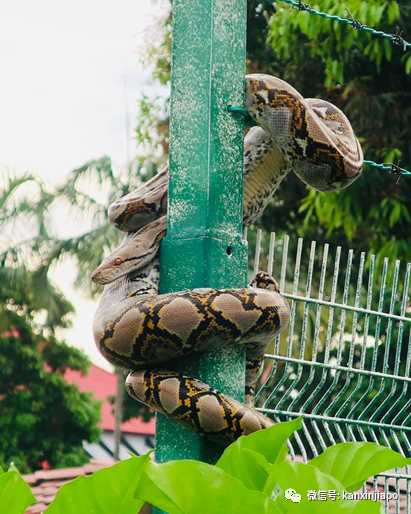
x,y
140,330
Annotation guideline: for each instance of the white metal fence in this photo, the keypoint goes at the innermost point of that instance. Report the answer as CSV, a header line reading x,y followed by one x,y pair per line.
x,y
344,363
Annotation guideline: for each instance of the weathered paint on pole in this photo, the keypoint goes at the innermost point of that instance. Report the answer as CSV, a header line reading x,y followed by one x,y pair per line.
x,y
204,245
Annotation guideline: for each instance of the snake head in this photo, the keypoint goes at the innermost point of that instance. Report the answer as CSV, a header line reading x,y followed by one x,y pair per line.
x,y
264,281
111,268
136,251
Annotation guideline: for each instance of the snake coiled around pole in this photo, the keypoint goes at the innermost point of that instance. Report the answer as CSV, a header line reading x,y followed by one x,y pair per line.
x,y
140,330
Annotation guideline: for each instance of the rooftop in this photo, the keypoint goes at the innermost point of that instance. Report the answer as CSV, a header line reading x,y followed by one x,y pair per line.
x,y
103,384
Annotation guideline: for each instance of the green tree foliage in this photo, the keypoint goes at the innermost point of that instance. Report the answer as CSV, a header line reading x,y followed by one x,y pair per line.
x,y
24,243
43,417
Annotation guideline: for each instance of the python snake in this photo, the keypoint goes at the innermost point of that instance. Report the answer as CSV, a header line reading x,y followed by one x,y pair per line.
x,y
140,330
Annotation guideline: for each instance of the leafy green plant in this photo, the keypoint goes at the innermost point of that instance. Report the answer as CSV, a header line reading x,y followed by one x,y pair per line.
x,y
43,418
15,494
107,491
252,475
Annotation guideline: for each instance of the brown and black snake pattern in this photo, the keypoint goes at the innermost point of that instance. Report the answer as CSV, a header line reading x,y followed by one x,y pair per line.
x,y
140,330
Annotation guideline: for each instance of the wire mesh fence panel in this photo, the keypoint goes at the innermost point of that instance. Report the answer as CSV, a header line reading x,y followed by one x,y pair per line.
x,y
344,361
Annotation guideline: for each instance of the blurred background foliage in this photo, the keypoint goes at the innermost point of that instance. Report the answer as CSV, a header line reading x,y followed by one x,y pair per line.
x,y
44,419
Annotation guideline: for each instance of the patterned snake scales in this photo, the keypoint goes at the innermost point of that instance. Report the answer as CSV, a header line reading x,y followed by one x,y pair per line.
x,y
138,329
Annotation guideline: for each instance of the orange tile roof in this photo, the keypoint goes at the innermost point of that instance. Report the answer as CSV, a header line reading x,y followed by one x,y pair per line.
x,y
103,384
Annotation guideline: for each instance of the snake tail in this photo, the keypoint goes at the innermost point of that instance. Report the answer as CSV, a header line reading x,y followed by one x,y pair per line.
x,y
195,404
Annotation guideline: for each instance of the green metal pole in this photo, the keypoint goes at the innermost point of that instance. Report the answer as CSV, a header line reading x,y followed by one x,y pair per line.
x,y
204,246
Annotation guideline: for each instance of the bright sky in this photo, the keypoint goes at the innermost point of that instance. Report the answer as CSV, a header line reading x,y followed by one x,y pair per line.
x,y
62,102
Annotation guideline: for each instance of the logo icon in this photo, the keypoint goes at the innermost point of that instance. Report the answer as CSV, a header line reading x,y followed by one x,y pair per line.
x,y
292,495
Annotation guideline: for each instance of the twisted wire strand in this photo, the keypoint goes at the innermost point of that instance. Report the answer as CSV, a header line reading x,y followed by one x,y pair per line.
x,y
396,39
392,168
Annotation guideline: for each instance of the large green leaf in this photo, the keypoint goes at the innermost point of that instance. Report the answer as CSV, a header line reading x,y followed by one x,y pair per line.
x,y
249,467
303,478
192,487
108,491
352,463
367,507
268,443
15,494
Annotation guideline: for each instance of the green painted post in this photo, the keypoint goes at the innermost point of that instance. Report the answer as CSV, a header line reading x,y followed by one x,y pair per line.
x,y
204,246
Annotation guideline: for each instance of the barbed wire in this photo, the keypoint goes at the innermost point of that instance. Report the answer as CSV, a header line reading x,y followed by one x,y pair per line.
x,y
385,166
391,168
396,38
